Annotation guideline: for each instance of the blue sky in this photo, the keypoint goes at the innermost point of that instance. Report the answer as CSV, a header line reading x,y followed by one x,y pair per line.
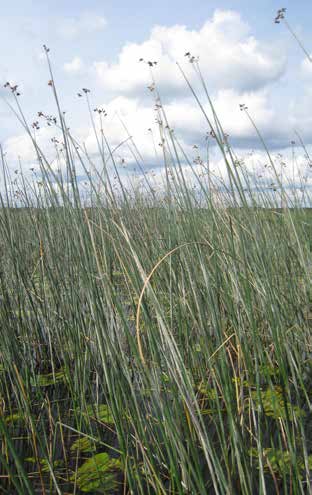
x,y
244,56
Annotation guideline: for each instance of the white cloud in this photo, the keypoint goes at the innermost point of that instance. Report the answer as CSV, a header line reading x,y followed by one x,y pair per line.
x,y
75,66
139,118
306,66
191,127
21,146
229,58
136,118
235,122
87,22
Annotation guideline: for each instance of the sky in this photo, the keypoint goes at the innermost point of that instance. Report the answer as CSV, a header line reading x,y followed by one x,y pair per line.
x,y
243,55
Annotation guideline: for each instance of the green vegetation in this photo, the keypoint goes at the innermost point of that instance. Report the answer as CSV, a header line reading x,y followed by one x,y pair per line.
x,y
154,344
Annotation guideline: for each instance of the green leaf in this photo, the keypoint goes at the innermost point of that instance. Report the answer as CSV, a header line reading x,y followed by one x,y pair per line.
x,y
275,406
165,378
269,370
97,474
279,461
44,463
83,445
208,392
13,418
100,412
48,379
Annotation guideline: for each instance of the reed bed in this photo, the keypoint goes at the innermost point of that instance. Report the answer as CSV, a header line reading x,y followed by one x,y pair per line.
x,y
153,343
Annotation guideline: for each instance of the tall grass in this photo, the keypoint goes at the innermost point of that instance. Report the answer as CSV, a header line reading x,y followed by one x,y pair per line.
x,y
153,344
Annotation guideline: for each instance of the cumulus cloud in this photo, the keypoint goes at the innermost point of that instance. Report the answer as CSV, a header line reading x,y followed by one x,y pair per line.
x,y
230,57
126,113
130,122
87,22
135,117
75,66
20,147
190,123
237,69
306,67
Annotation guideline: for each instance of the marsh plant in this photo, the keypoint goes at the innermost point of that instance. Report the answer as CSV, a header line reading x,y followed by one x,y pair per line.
x,y
153,341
